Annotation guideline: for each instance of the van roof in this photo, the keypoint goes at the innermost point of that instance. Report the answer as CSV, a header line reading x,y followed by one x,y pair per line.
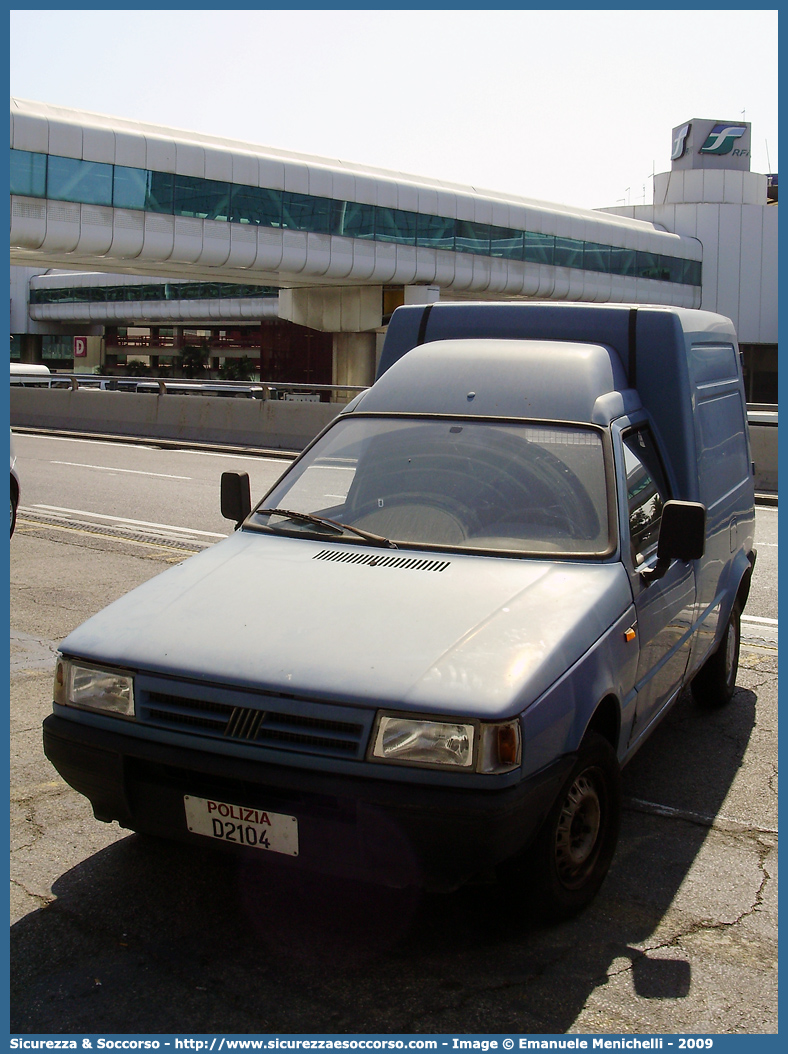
x,y
555,380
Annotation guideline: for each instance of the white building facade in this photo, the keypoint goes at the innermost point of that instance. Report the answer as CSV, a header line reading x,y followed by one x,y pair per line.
x,y
732,213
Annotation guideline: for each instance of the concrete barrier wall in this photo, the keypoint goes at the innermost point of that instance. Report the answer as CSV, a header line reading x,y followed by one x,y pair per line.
x,y
270,423
763,440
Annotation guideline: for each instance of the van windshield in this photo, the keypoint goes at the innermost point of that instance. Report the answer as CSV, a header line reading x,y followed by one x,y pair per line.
x,y
459,483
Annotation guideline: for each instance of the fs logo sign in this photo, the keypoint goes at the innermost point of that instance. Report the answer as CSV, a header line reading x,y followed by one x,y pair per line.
x,y
680,142
702,144
721,140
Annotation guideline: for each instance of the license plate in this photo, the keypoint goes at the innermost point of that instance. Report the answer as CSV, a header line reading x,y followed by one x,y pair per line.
x,y
255,828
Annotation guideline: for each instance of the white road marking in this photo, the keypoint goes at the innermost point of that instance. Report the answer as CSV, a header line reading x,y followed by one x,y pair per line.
x,y
760,620
719,820
287,455
126,522
107,468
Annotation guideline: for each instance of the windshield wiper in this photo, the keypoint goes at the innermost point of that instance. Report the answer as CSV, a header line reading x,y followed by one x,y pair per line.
x,y
333,525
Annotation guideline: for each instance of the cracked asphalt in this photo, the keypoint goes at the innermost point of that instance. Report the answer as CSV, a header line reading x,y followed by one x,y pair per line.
x,y
115,933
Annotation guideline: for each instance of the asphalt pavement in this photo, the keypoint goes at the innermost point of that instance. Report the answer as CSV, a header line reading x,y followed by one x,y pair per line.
x,y
116,933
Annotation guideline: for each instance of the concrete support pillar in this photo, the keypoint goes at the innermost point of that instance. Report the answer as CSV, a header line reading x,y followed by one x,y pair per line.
x,y
32,346
352,314
92,361
422,294
354,358
339,309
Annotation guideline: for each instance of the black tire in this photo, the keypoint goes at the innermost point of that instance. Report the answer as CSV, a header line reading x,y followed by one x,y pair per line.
x,y
13,513
578,839
715,682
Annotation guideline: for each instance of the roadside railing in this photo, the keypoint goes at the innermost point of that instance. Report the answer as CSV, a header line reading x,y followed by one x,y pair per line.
x,y
287,391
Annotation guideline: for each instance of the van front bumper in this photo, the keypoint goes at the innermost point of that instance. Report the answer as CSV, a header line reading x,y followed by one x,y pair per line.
x,y
397,833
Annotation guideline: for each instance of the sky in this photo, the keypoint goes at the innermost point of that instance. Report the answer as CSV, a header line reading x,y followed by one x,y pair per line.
x,y
574,107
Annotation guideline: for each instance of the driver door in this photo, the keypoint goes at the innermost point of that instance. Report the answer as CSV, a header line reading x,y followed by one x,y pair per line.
x,y
665,607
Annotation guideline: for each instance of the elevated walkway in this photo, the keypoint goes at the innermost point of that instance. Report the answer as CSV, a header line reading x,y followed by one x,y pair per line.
x,y
104,193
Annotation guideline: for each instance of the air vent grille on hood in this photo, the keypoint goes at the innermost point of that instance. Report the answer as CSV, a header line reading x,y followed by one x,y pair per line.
x,y
411,563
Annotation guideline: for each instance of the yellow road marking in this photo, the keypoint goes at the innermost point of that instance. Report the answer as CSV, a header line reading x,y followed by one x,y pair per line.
x,y
100,534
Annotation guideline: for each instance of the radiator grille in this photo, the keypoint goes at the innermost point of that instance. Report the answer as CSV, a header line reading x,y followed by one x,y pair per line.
x,y
268,725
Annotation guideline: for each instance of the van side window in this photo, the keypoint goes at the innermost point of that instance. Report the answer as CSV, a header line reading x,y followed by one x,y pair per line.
x,y
646,493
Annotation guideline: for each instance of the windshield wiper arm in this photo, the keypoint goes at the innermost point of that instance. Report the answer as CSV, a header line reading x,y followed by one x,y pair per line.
x,y
334,525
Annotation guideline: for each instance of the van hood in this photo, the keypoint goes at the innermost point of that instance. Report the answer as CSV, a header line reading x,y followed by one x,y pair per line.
x,y
437,632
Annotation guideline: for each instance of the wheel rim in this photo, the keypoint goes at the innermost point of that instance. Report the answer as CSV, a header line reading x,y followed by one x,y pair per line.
x,y
731,652
578,831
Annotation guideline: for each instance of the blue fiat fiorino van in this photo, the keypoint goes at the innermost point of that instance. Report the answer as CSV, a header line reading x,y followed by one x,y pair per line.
x,y
429,649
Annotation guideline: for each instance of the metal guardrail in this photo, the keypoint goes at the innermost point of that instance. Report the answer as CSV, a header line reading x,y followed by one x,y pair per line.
x,y
762,414
757,413
181,385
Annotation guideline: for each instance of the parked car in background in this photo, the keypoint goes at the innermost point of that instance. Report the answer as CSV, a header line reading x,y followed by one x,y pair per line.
x,y
30,375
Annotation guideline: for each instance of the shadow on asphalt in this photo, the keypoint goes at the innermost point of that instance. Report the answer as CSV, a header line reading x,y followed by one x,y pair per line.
x,y
152,937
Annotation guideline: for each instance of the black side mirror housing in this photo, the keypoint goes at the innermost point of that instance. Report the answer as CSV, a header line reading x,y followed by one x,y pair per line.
x,y
236,496
682,536
682,532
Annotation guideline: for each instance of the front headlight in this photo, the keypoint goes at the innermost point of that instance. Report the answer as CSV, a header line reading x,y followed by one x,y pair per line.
x,y
474,746
409,741
94,688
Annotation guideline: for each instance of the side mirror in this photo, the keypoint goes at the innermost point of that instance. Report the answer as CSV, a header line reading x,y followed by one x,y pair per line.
x,y
236,496
682,536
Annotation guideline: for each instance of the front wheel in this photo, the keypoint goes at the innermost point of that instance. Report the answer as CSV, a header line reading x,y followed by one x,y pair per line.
x,y
715,682
576,844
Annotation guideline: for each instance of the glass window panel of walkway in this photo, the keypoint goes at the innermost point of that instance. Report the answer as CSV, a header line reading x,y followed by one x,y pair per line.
x,y
69,179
